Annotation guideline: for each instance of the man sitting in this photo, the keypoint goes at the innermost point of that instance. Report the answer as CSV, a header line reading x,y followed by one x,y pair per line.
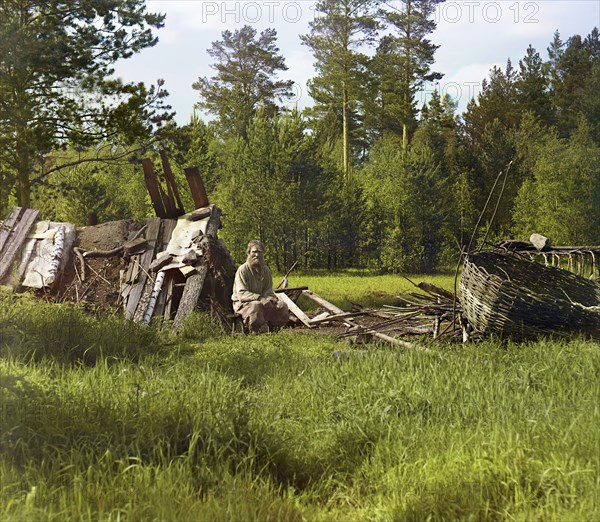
x,y
253,296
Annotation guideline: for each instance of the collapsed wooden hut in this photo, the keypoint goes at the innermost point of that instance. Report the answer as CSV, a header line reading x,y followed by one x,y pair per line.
x,y
164,267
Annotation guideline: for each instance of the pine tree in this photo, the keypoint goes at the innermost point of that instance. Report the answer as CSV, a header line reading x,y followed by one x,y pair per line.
x,y
532,86
56,88
497,101
273,190
575,73
338,36
403,64
247,66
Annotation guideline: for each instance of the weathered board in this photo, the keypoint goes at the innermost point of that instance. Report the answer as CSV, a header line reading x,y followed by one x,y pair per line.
x,y
153,188
196,187
195,282
8,225
144,261
15,240
171,184
294,308
325,304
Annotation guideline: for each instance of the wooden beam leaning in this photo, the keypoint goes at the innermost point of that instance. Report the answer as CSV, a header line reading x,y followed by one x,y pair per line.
x,y
171,185
166,293
196,187
15,240
330,307
195,282
144,260
9,223
153,188
294,308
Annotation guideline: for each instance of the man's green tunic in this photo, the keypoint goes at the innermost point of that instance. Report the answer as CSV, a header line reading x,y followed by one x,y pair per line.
x,y
251,285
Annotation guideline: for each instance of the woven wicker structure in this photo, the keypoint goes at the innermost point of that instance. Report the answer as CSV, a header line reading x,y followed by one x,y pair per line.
x,y
510,296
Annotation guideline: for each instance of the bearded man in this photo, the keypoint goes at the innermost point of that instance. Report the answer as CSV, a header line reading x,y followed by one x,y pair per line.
x,y
253,296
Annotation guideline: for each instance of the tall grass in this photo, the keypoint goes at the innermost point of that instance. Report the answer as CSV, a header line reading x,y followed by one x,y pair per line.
x,y
275,427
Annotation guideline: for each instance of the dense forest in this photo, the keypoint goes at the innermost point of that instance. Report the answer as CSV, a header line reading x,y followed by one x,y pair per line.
x,y
365,177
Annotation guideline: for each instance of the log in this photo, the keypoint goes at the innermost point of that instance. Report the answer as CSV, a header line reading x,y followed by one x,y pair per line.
x,y
195,282
435,290
384,337
57,255
153,296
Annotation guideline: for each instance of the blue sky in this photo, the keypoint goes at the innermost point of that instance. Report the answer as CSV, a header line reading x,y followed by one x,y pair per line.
x,y
473,35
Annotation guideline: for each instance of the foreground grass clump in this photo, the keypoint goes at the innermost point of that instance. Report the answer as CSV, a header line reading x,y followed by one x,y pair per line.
x,y
35,330
291,426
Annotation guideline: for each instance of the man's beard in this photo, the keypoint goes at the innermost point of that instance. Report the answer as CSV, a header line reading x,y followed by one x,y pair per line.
x,y
255,263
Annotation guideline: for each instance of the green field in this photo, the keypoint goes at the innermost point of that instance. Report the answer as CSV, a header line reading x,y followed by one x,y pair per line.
x,y
103,420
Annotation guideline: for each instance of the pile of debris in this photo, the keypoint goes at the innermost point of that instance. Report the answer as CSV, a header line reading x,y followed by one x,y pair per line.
x,y
162,268
518,290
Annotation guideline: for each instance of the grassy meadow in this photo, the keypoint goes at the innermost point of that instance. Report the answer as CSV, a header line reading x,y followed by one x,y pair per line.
x,y
106,420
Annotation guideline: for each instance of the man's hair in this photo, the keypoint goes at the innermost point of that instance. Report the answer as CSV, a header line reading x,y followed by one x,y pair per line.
x,y
255,243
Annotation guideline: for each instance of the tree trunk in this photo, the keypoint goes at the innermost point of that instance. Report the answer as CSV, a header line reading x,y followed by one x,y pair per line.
x,y
407,79
346,133
22,156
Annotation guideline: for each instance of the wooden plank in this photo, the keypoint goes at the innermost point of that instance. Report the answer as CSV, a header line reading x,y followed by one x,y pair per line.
x,y
145,260
171,184
153,188
14,243
146,298
339,317
195,282
291,289
168,201
167,287
168,227
325,304
9,223
196,187
294,308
